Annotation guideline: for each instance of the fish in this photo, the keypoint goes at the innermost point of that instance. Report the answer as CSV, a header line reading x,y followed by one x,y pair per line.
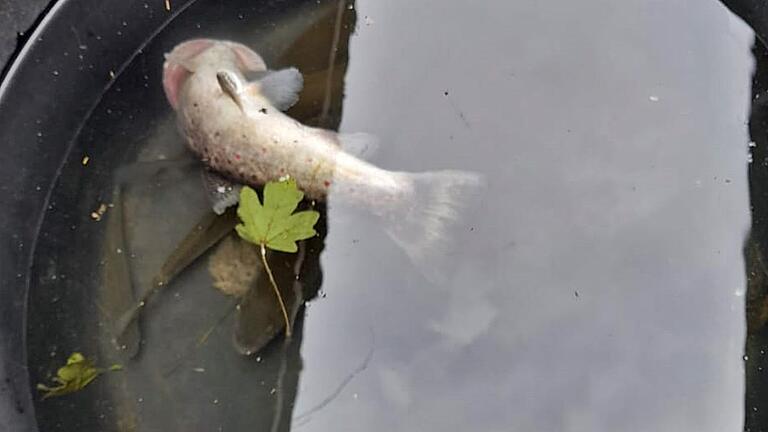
x,y
238,128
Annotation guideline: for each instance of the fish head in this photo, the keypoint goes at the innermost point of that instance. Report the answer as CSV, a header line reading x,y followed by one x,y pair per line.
x,y
197,55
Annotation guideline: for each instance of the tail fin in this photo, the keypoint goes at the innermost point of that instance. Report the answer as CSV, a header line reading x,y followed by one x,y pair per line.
x,y
422,225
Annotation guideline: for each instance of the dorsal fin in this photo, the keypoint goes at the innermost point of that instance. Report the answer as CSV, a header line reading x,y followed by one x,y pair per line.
x,y
232,86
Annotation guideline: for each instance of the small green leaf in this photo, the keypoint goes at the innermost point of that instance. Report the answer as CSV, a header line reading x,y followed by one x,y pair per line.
x,y
274,224
74,376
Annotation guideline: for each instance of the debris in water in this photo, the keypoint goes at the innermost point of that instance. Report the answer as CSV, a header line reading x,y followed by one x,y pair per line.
x,y
234,266
99,212
85,160
168,5
74,376
653,98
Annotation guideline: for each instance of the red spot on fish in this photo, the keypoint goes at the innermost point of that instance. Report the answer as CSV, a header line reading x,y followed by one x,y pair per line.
x,y
327,183
237,156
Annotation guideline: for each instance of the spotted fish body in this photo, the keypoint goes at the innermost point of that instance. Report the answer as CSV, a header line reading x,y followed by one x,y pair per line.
x,y
249,140
237,128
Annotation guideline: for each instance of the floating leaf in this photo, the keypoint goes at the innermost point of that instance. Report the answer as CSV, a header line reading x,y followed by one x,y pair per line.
x,y
74,376
274,224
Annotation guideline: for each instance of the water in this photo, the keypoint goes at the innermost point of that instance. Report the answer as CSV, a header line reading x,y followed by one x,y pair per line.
x,y
599,284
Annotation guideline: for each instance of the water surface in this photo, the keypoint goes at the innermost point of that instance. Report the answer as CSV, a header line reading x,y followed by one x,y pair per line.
x,y
598,282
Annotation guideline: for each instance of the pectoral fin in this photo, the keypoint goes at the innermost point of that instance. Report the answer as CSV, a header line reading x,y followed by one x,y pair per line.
x,y
281,87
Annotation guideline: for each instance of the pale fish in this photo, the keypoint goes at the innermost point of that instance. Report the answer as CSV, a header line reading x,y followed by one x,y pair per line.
x,y
237,128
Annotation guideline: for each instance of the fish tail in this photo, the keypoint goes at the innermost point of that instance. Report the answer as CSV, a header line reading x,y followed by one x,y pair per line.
x,y
425,222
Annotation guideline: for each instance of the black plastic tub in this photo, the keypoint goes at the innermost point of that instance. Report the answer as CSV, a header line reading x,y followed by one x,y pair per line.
x,y
600,281
51,87
87,82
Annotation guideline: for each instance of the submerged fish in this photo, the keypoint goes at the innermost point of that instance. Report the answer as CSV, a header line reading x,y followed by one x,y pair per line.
x,y
237,128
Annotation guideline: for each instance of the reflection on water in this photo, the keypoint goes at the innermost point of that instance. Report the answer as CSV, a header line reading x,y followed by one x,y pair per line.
x,y
600,281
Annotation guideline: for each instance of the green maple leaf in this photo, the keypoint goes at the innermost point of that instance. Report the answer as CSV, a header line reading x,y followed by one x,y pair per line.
x,y
274,224
74,376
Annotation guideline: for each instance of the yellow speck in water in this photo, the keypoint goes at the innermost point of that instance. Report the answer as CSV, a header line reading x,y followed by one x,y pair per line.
x,y
86,159
99,212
